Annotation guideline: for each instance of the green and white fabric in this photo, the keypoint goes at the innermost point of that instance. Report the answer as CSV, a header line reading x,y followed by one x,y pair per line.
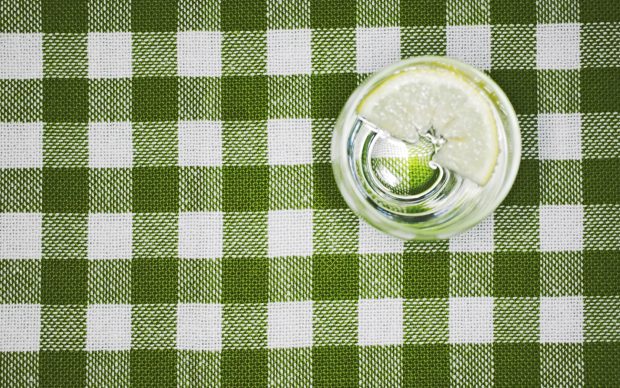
x,y
168,214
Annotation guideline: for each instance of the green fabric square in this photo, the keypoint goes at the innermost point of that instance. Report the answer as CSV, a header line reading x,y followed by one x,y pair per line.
x,y
245,234
507,12
516,320
599,45
109,15
513,46
254,370
426,365
62,369
19,369
380,366
422,40
326,193
289,96
596,187
322,130
333,51
244,53
601,364
561,273
199,98
559,91
335,231
153,326
65,145
516,274
378,13
200,189
251,17
110,190
20,190
529,136
65,16
598,91
109,99
330,14
109,368
557,11
199,15
155,235
381,276
65,236
109,282
65,55
198,368
200,281
21,16
290,187
290,279
426,275
471,365
330,92
246,188
526,189
593,11
334,323
63,327
21,282
153,368
335,366
426,321
155,144
598,221
154,15
154,281
244,326
65,190
64,281
288,15
423,13
155,189
290,367
154,54
335,277
245,280
244,98
561,182
65,100
154,99
516,364
562,364
471,274
516,228
21,100
601,271
520,87
239,149
468,12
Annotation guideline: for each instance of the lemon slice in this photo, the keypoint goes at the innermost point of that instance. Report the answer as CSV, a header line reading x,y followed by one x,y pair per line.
x,y
413,102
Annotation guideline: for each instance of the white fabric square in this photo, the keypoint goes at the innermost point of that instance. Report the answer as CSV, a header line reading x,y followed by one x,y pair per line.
x,y
561,228
557,46
20,235
477,239
20,327
374,241
200,143
109,236
199,327
110,145
289,52
561,319
290,325
380,321
290,233
471,320
199,53
108,327
470,44
21,55
290,141
559,136
200,235
109,55
377,48
21,145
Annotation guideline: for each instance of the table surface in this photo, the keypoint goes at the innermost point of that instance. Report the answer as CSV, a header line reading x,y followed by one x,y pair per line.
x,y
168,214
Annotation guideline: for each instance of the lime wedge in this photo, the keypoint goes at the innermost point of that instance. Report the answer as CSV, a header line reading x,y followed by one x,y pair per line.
x,y
413,102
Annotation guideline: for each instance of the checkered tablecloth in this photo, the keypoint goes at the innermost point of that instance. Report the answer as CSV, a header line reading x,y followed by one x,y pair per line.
x,y
168,214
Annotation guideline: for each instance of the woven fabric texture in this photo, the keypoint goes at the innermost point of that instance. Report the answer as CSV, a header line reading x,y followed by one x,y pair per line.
x,y
168,214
